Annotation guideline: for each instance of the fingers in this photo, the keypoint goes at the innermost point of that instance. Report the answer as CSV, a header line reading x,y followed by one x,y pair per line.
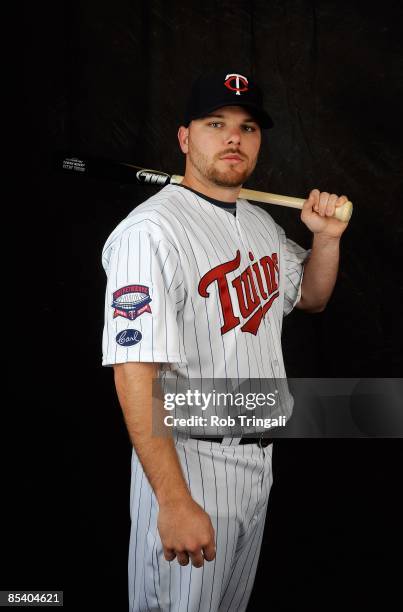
x,y
204,552
341,200
313,200
196,555
196,558
209,551
169,554
325,203
183,557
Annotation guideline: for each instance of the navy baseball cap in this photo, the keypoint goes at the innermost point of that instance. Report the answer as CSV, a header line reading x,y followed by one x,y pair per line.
x,y
213,90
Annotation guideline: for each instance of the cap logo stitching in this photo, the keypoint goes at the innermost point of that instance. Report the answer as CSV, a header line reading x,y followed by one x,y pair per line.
x,y
230,79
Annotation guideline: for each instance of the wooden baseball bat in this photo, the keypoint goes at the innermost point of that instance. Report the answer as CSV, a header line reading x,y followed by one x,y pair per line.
x,y
129,173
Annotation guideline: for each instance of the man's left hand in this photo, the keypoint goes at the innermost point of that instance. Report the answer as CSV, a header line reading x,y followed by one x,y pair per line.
x,y
317,213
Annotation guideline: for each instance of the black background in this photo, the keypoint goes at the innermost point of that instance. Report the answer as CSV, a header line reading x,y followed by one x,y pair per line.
x,y
110,79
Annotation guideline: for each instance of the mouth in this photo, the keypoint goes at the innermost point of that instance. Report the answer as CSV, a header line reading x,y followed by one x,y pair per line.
x,y
232,158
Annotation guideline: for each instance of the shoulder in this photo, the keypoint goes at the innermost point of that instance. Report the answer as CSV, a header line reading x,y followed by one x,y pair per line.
x,y
152,217
159,208
147,224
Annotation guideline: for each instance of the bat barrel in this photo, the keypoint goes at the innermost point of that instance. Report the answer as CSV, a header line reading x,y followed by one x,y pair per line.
x,y
106,169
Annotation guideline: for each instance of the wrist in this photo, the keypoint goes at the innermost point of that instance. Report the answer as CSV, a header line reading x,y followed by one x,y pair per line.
x,y
172,498
324,240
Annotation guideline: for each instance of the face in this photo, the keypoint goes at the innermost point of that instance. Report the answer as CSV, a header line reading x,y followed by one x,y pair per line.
x,y
222,147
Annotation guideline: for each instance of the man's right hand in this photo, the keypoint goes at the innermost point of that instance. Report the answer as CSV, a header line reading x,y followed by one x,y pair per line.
x,y
185,528
186,532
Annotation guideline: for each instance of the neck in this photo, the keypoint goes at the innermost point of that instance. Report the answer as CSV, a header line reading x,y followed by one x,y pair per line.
x,y
203,185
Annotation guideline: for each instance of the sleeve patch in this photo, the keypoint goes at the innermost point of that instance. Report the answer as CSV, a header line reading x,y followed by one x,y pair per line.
x,y
129,337
131,301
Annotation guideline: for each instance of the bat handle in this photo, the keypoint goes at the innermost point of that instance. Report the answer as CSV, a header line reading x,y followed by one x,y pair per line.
x,y
342,213
176,179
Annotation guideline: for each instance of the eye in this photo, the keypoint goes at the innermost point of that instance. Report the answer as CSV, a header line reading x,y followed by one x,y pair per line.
x,y
249,128
214,123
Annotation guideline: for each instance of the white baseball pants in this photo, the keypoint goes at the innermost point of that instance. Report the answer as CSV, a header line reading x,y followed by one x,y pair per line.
x,y
232,483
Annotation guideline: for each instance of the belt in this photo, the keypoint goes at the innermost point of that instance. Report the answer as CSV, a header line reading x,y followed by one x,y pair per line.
x,y
263,442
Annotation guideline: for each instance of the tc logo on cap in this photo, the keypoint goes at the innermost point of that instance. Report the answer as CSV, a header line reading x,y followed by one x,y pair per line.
x,y
230,79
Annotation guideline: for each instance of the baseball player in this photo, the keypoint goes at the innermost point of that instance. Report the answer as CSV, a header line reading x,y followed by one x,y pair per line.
x,y
198,283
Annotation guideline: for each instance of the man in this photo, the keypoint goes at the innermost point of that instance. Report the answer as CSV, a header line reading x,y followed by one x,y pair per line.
x,y
198,283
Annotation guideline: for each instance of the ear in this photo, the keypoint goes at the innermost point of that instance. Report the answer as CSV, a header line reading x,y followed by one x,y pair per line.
x,y
183,137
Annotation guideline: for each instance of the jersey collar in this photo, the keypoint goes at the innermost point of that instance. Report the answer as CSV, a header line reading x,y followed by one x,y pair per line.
x,y
228,206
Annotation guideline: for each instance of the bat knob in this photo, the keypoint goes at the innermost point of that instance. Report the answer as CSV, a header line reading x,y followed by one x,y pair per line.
x,y
343,213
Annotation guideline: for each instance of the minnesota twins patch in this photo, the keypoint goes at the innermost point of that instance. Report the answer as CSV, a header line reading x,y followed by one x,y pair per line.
x,y
129,337
131,301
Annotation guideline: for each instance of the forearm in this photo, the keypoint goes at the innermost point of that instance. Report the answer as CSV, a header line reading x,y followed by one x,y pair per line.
x,y
157,454
320,273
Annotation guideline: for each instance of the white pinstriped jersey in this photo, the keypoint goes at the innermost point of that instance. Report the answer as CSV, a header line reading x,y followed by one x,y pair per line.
x,y
198,289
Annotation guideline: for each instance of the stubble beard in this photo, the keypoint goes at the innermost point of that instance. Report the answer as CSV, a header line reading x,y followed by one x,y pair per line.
x,y
224,178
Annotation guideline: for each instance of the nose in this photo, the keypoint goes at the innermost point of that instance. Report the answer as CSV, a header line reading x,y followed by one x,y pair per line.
x,y
233,136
